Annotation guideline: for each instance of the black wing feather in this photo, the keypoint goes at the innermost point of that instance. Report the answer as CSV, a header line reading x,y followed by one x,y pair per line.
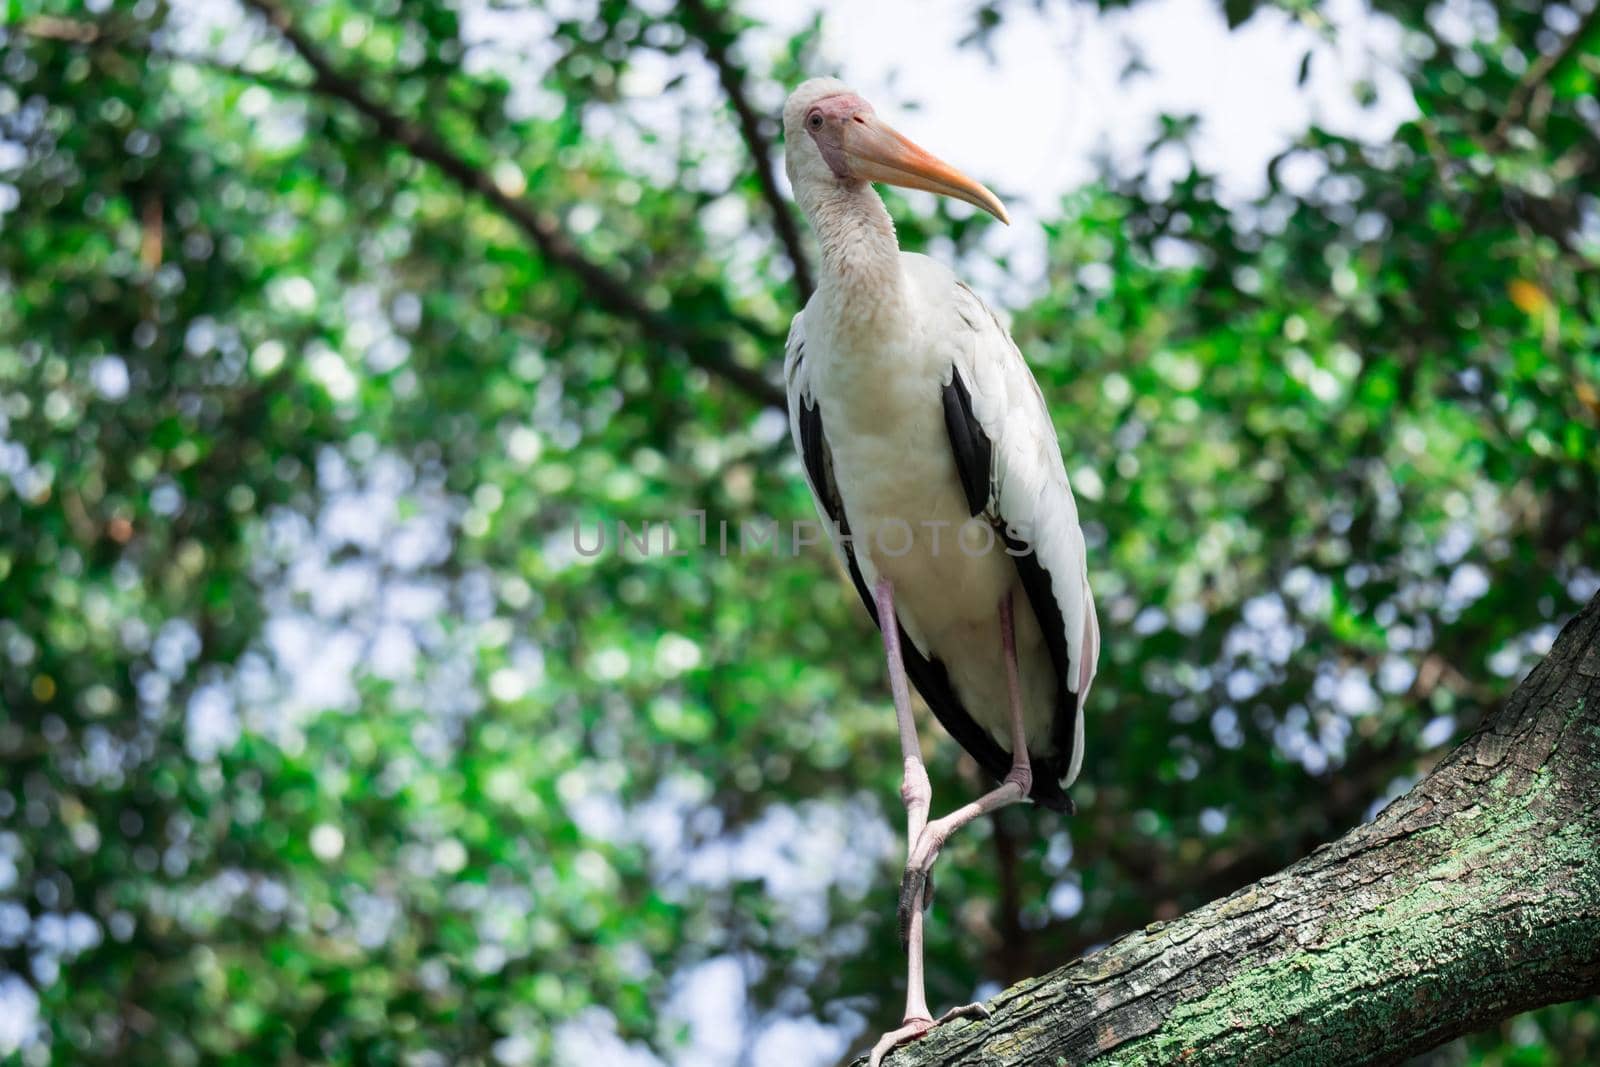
x,y
974,452
974,455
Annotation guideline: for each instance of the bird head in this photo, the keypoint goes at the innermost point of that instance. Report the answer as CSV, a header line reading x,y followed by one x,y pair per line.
x,y
833,135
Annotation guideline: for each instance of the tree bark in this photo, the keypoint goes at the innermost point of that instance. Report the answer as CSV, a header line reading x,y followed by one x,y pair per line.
x,y
1473,897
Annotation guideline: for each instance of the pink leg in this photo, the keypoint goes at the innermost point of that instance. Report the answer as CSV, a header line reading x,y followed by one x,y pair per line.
x,y
915,791
1011,791
917,794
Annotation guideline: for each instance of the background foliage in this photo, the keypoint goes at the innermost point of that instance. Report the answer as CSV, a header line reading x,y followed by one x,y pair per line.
x,y
320,741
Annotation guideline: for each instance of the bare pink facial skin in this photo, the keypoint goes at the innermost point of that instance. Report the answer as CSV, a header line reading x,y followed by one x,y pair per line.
x,y
825,122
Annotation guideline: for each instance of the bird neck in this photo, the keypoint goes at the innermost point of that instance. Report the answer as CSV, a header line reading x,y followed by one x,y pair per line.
x,y
860,256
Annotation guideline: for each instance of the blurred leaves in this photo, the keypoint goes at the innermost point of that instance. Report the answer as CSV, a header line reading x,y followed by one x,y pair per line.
x,y
322,738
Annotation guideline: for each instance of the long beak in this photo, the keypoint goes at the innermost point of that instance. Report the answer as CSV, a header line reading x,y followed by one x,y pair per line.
x,y
878,154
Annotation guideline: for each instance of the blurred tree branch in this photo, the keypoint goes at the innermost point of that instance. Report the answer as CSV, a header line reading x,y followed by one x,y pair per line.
x,y
55,28
1537,74
1473,897
710,29
84,33
1011,952
711,354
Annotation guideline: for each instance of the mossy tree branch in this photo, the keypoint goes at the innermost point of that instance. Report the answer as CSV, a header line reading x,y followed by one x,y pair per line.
x,y
1473,897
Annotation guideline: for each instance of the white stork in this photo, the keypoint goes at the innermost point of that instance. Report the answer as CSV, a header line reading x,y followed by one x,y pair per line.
x,y
930,452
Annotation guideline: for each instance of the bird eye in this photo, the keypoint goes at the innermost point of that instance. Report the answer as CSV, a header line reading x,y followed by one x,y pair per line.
x,y
815,121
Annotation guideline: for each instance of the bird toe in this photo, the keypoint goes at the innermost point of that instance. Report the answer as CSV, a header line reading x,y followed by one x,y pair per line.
x,y
965,1011
909,1030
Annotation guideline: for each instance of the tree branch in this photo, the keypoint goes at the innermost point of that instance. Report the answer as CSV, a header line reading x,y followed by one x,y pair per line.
x,y
80,32
599,285
1473,897
55,28
709,29
1011,948
1537,73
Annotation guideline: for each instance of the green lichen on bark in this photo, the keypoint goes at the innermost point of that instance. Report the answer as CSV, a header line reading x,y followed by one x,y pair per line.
x,y
1440,919
1474,896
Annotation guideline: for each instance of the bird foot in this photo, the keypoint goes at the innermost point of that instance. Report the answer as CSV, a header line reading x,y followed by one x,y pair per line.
x,y
912,1029
909,1030
913,884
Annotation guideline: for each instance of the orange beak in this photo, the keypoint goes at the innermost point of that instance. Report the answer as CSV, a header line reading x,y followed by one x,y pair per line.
x,y
878,154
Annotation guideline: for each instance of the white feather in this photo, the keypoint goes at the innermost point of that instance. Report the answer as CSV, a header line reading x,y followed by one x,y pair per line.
x,y
877,369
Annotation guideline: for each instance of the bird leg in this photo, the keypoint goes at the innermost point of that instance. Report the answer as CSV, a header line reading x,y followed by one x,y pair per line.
x,y
1015,787
915,791
917,794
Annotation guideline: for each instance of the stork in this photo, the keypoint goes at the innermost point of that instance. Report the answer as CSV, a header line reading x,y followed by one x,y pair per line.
x,y
930,453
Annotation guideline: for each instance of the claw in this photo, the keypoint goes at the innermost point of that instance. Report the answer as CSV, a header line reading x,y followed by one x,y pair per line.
x,y
909,1030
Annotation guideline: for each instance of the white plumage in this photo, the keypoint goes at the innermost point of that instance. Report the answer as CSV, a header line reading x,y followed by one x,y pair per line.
x,y
880,399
